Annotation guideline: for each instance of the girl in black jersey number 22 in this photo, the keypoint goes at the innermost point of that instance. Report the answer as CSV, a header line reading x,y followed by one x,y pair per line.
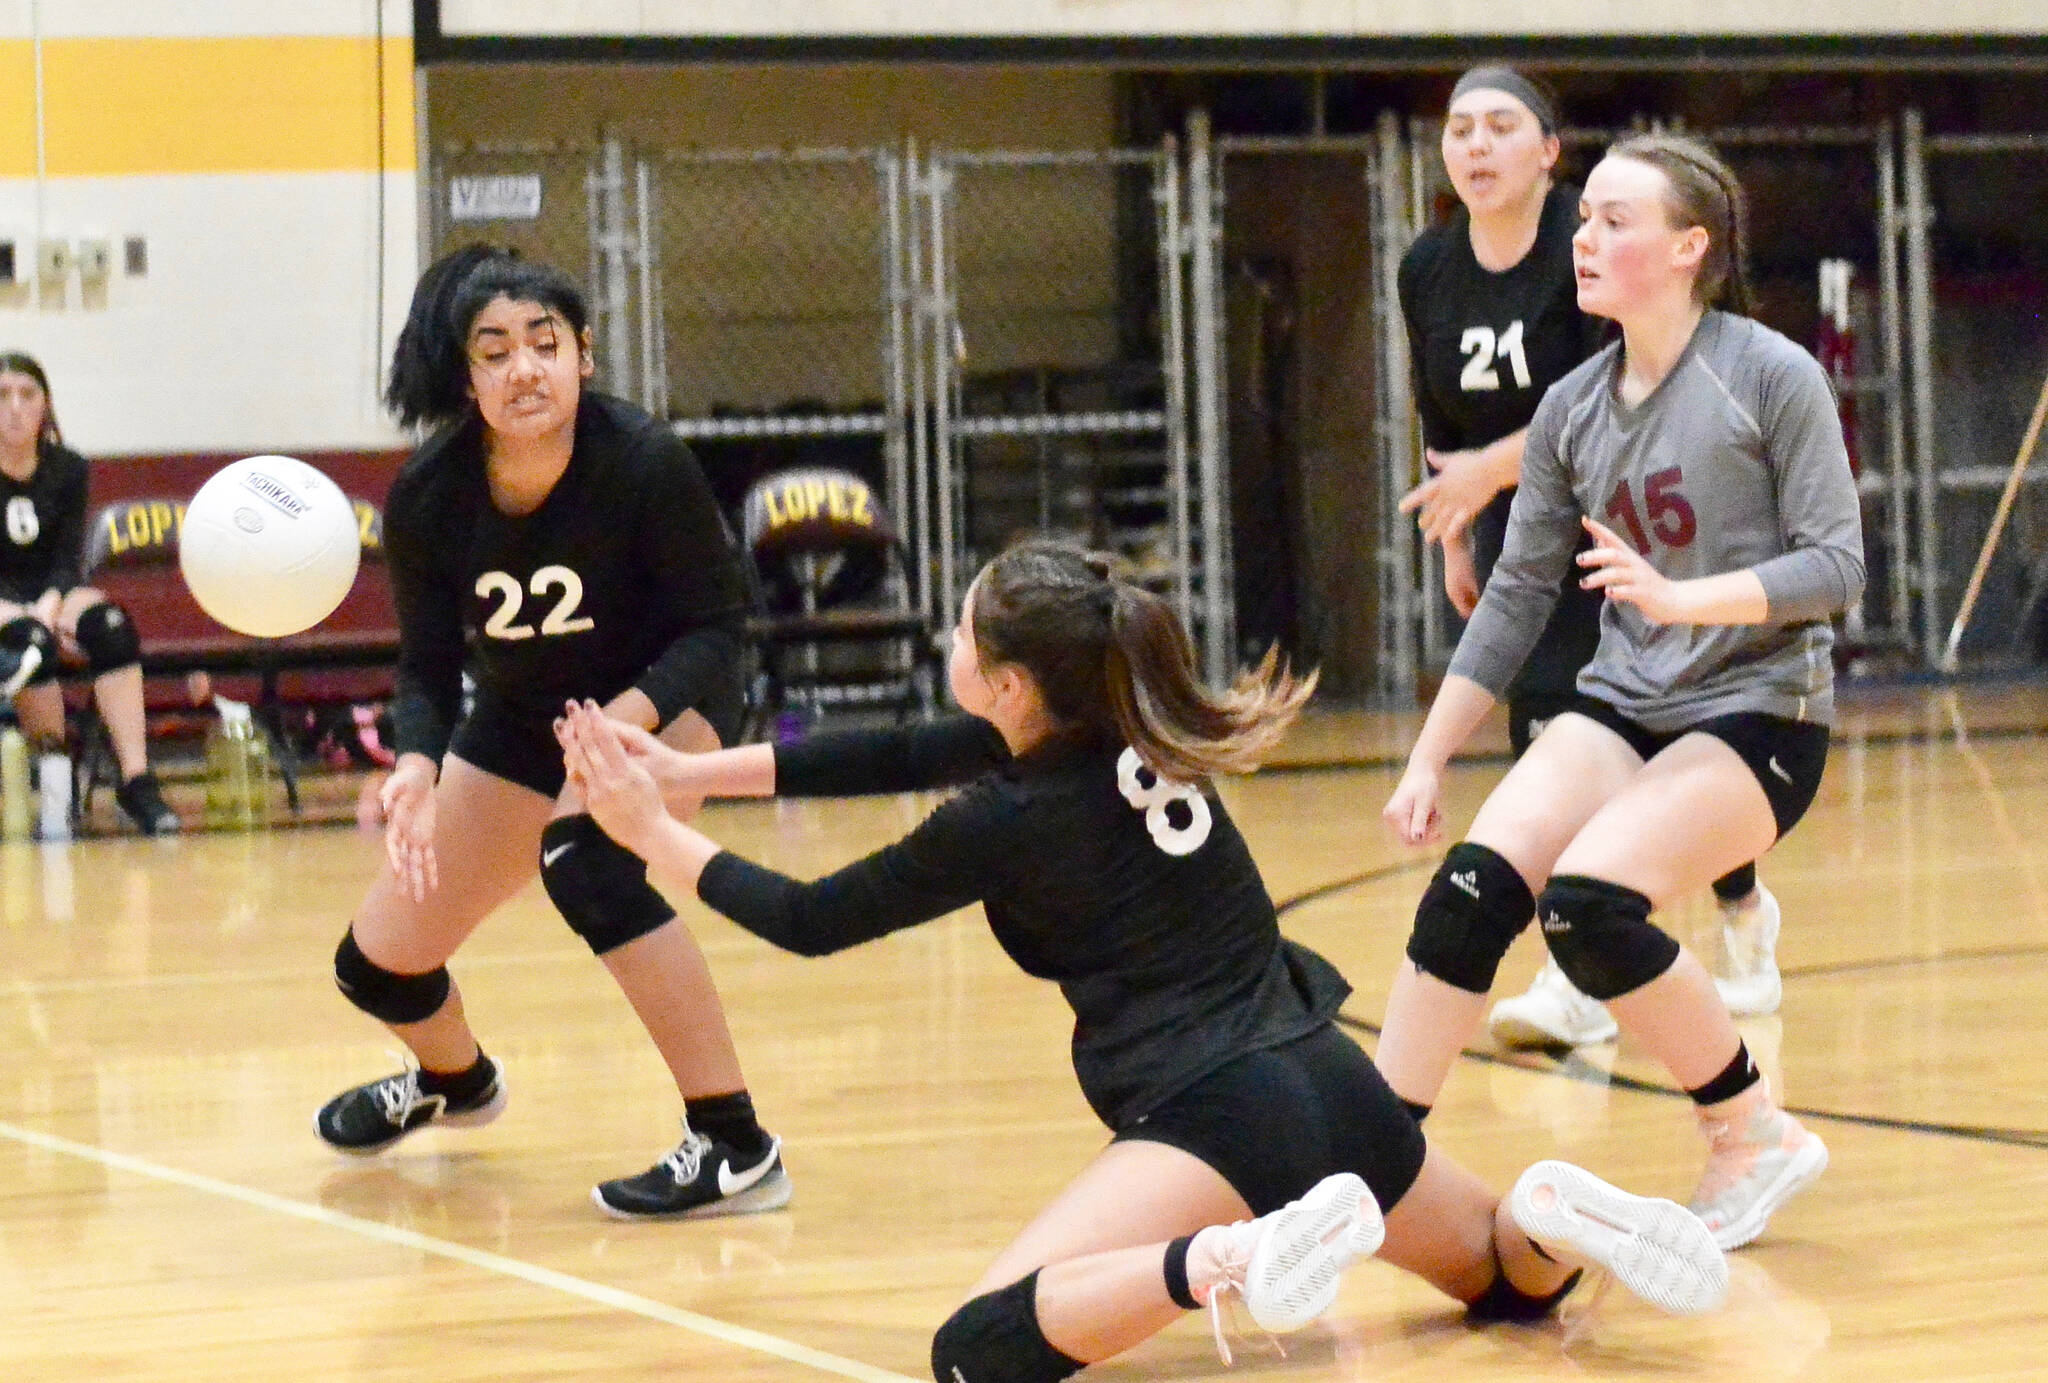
x,y
1703,454
1202,1038
1493,321
558,543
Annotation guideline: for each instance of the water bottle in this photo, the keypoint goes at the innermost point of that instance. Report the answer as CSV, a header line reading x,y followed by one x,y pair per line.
x,y
53,780
235,769
14,804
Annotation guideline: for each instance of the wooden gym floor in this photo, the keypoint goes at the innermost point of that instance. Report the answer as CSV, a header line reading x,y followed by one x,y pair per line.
x,y
167,1027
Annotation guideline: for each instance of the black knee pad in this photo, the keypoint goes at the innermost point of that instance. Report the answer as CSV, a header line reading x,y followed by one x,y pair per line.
x,y
22,634
599,885
383,994
1469,915
1602,937
996,1339
108,638
1503,1301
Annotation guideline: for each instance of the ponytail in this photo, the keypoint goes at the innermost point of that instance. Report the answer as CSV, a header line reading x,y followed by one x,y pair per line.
x,y
429,380
1115,665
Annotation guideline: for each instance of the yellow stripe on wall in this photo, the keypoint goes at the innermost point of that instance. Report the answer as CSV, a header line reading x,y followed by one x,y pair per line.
x,y
117,107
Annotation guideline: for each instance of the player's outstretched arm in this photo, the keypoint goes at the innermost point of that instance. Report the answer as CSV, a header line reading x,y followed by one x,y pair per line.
x,y
1412,812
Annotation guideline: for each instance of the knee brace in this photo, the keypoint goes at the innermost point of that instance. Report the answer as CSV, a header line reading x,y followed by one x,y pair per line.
x,y
108,638
383,994
996,1339
37,648
1601,935
599,886
1469,915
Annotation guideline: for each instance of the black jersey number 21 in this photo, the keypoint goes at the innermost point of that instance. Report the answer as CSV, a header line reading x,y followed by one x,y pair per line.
x,y
563,619
1481,348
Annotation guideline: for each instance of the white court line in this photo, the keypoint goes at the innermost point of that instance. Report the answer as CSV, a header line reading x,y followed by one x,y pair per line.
x,y
597,1292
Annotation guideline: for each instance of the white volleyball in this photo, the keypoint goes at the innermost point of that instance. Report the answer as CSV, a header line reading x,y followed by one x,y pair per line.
x,y
269,546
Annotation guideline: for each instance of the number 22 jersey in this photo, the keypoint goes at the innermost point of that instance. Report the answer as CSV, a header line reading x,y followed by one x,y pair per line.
x,y
625,576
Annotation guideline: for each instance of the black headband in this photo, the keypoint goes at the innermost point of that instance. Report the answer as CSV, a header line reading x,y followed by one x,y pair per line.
x,y
1514,84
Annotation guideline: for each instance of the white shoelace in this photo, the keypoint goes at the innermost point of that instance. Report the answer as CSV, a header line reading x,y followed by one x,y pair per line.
x,y
399,1096
688,1158
1220,1332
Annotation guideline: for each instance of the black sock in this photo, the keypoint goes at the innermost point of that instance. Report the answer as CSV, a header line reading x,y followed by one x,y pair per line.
x,y
1737,884
460,1087
1418,1112
728,1119
1503,1301
1736,1077
1177,1289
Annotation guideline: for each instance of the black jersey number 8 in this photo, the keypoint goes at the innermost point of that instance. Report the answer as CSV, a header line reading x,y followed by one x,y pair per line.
x,y
1481,348
1176,814
563,619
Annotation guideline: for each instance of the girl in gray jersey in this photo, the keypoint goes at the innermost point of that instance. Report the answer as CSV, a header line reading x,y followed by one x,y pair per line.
x,y
1703,454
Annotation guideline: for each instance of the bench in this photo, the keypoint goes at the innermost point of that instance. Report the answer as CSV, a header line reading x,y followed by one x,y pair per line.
x,y
132,555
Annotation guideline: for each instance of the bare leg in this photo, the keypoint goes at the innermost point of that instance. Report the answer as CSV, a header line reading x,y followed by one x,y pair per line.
x,y
39,707
486,835
118,693
1528,819
1692,814
666,978
1100,1246
1450,1230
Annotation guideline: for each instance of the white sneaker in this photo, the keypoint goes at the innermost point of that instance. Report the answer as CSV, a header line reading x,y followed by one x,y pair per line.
x,y
1656,1248
1553,1013
1748,975
1759,1158
1286,1265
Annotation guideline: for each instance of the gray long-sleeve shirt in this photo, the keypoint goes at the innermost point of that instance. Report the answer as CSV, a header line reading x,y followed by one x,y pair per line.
x,y
1735,461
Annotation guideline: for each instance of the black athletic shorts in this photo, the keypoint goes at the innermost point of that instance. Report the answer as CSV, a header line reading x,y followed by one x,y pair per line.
x,y
522,749
23,593
1276,1122
1786,756
1529,712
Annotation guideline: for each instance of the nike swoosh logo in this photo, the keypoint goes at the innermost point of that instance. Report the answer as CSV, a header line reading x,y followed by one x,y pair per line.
x,y
730,1185
1778,769
548,857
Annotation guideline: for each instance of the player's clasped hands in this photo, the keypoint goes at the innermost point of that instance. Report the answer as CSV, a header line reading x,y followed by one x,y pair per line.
x,y
611,766
407,800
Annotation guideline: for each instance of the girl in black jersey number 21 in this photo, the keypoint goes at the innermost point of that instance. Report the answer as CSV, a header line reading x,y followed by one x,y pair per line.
x,y
575,540
1703,454
1493,321
1202,1038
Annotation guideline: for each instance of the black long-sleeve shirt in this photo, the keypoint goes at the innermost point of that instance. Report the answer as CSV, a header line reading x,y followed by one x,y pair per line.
x,y
1484,347
42,526
1139,898
625,576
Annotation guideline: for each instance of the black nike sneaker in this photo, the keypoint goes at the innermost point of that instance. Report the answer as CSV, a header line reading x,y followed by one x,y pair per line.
x,y
142,799
700,1179
370,1118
